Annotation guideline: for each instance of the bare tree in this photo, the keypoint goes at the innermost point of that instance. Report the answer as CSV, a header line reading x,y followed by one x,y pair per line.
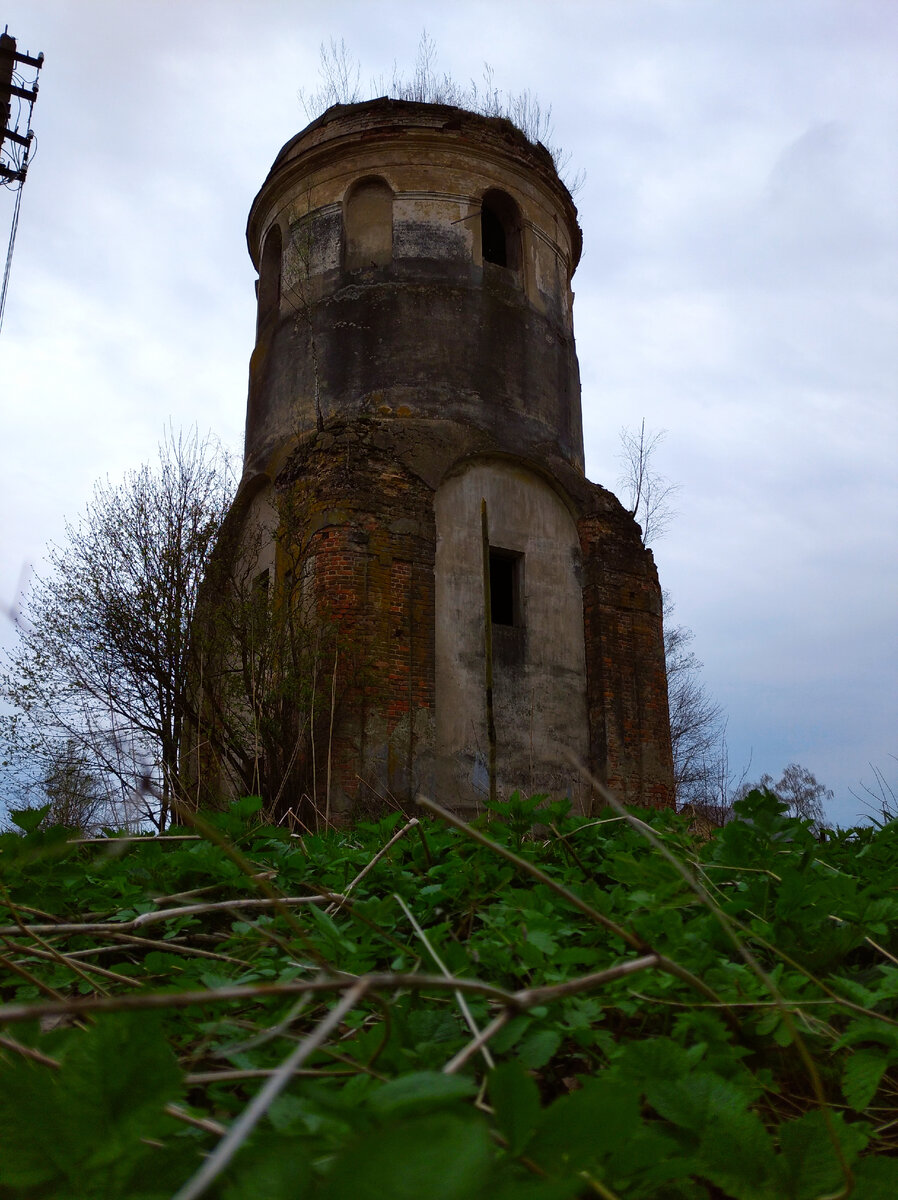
x,y
648,493
101,670
881,796
703,779
270,675
797,788
697,726
74,791
59,778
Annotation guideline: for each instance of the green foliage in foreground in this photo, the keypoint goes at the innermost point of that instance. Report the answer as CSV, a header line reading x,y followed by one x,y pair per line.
x,y
748,1050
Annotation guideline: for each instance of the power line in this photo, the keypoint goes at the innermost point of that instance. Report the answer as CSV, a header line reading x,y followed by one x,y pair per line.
x,y
15,147
12,242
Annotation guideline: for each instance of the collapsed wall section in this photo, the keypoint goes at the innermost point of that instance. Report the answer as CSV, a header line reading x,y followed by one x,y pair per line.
x,y
629,726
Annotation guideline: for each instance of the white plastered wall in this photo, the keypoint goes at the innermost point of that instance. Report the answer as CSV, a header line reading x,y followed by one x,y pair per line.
x,y
539,668
258,538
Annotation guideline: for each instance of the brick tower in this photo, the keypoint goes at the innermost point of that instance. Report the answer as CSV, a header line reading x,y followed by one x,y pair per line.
x,y
415,357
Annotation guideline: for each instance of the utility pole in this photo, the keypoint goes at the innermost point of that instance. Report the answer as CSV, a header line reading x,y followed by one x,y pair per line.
x,y
16,135
9,57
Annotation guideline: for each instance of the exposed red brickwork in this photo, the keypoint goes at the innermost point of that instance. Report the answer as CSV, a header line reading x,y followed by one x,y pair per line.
x,y
368,527
629,726
371,386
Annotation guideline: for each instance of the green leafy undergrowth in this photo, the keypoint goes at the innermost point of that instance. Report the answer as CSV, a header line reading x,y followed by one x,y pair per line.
x,y
563,1008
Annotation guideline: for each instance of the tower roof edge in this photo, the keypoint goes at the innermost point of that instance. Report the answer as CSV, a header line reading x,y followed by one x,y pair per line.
x,y
388,118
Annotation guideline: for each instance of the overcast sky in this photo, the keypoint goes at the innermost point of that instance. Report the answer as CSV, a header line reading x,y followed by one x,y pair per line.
x,y
738,288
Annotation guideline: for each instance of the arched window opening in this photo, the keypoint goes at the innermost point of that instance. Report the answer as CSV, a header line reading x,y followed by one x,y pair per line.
x,y
368,225
270,276
500,230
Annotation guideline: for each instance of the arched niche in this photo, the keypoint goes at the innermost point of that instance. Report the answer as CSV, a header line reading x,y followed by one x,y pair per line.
x,y
500,230
368,225
539,656
270,276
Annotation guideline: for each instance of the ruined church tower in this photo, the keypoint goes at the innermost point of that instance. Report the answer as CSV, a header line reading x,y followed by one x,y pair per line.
x,y
415,357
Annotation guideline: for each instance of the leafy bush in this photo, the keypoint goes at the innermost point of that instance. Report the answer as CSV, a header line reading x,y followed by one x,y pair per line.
x,y
536,1006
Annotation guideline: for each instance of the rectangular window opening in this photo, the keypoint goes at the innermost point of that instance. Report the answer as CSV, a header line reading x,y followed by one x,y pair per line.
x,y
506,570
262,584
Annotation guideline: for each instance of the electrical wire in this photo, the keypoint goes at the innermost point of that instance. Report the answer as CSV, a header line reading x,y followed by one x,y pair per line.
x,y
12,243
21,163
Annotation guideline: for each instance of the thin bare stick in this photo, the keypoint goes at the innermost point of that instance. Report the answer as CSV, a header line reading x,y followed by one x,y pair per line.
x,y
364,871
201,891
204,1123
462,1003
25,974
36,912
170,914
235,1076
174,945
78,968
250,870
259,1105
134,837
289,768
477,1043
391,982
28,1052
272,1031
132,1001
330,743
529,997
312,739
882,950
189,910
50,950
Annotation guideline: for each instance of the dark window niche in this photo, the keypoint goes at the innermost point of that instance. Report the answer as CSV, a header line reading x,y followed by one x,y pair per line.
x,y
262,584
269,286
493,232
500,230
506,571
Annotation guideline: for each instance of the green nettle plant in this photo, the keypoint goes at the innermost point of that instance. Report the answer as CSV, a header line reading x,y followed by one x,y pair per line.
x,y
531,1005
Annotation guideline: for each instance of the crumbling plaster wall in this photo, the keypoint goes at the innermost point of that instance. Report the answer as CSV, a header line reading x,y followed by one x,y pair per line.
x,y
435,331
389,509
386,397
539,663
